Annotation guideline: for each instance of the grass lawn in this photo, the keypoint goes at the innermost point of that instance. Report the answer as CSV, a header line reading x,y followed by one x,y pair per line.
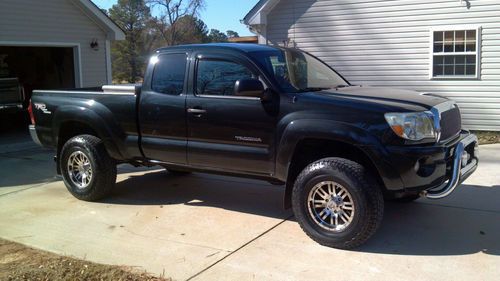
x,y
18,262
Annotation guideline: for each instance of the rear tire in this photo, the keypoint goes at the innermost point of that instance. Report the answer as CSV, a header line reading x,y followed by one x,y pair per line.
x,y
88,171
337,203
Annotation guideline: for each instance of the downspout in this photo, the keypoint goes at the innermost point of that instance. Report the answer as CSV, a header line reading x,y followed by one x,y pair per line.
x,y
109,75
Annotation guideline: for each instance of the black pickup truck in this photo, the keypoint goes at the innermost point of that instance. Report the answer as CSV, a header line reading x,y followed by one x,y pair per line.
x,y
276,114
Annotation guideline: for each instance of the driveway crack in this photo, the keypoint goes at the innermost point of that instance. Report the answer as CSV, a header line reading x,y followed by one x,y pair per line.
x,y
170,240
31,186
239,248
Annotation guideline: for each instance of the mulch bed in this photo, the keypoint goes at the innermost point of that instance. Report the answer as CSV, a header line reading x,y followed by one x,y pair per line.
x,y
486,137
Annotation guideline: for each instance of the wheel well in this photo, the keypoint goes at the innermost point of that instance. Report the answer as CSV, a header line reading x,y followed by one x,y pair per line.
x,y
72,129
310,150
67,131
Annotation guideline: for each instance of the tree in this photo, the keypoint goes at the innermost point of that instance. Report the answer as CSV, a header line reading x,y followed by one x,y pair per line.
x,y
152,38
217,36
129,55
232,34
169,23
194,30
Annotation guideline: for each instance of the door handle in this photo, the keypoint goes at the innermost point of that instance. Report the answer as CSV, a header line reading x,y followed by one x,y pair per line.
x,y
196,111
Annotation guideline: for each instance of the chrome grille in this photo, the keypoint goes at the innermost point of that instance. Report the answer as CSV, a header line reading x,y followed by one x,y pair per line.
x,y
450,120
451,123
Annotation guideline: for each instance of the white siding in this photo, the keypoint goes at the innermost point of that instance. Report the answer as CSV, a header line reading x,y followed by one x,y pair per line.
x,y
56,21
387,43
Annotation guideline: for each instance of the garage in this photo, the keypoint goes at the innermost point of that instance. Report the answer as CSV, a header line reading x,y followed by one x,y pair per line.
x,y
51,44
38,67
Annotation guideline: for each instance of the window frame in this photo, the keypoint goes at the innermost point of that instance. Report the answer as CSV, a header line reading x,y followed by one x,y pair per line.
x,y
478,29
157,59
226,59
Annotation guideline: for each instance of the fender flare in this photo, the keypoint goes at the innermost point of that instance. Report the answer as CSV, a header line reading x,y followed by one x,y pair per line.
x,y
97,118
299,130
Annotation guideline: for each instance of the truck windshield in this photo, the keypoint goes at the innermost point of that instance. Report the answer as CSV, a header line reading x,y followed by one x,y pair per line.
x,y
296,71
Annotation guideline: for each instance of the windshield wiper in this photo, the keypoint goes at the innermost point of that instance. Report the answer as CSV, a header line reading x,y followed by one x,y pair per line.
x,y
313,89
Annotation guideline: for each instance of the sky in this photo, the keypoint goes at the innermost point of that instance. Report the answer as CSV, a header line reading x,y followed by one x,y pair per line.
x,y
219,14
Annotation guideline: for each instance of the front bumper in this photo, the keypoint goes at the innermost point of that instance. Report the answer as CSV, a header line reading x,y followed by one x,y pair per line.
x,y
433,170
465,162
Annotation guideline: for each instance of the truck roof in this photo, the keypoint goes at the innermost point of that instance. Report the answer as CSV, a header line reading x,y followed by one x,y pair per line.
x,y
230,46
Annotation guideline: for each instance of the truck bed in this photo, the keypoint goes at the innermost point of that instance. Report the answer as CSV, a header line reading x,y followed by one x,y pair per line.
x,y
113,107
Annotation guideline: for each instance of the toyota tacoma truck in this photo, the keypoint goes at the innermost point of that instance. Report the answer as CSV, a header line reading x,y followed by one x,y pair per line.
x,y
275,114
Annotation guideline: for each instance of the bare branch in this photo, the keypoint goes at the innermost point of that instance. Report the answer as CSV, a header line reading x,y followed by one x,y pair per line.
x,y
170,13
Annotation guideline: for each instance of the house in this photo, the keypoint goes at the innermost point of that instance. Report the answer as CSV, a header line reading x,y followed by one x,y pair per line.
x,y
447,47
54,44
244,39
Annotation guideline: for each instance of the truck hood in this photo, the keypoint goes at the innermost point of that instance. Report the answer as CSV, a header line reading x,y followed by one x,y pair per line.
x,y
389,97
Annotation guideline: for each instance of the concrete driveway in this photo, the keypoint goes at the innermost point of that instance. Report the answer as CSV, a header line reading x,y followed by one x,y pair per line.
x,y
206,227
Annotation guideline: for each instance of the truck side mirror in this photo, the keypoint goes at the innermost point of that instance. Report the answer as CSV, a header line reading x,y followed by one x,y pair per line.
x,y
249,88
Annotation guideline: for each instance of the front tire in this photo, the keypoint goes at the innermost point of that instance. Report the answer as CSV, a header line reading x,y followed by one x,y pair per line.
x,y
88,171
337,203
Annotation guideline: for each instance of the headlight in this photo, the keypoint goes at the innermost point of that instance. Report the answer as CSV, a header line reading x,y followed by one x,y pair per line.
x,y
414,126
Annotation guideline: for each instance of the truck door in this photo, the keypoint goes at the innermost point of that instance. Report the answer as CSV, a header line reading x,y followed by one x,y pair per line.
x,y
162,114
228,132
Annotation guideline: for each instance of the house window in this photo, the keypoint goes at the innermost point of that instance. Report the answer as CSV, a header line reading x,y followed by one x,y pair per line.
x,y
455,53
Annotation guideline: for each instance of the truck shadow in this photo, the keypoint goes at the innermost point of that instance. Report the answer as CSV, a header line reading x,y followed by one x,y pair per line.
x,y
22,162
457,226
162,188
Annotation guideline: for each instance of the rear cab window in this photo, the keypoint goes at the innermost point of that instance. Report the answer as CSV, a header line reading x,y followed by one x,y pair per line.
x,y
169,74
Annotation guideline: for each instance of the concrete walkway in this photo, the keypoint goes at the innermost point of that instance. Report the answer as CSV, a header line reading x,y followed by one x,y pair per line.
x,y
205,227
